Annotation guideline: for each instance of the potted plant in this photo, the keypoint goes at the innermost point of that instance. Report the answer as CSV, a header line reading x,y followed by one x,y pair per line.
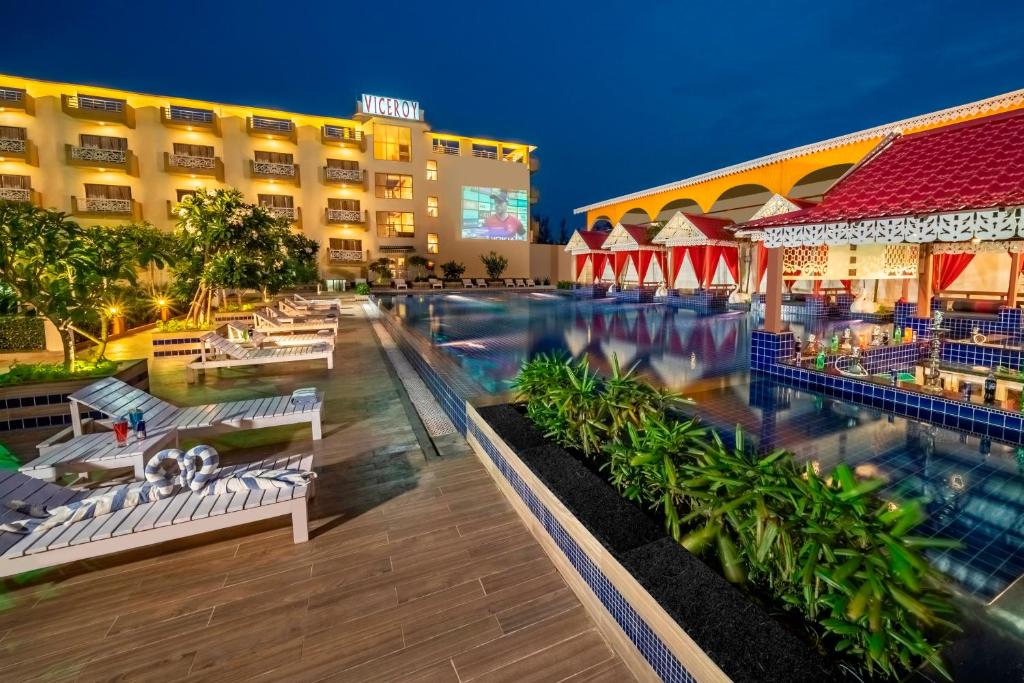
x,y
382,269
495,265
453,271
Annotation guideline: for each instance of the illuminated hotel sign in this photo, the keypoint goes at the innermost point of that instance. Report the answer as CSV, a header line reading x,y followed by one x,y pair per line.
x,y
375,105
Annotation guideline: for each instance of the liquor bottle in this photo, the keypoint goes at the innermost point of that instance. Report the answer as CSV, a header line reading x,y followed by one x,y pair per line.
x,y
819,362
833,344
990,388
897,335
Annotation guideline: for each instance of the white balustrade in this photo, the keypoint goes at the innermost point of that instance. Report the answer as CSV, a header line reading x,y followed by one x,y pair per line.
x,y
13,194
272,168
12,145
344,216
335,174
186,161
97,155
345,255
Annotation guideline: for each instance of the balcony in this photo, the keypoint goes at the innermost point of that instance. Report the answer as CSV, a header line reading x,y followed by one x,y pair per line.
x,y
484,152
15,149
347,256
190,118
453,150
390,231
102,109
103,159
292,214
184,164
16,99
344,177
268,127
272,170
14,194
102,207
345,136
346,217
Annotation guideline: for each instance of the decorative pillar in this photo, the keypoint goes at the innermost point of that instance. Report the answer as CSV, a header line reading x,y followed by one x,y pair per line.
x,y
773,291
924,282
1011,290
670,282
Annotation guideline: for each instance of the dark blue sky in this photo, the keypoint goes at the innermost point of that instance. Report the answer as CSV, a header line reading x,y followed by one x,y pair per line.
x,y
617,96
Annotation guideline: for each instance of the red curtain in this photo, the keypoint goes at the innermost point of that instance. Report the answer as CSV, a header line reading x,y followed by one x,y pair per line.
x,y
732,262
705,262
762,265
581,263
678,254
619,263
600,261
946,268
660,255
643,258
847,285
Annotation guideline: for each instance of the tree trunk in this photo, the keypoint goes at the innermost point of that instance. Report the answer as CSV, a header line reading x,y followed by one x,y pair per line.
x,y
103,339
238,297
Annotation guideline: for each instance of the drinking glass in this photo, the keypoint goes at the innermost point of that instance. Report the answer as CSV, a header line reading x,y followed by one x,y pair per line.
x,y
121,431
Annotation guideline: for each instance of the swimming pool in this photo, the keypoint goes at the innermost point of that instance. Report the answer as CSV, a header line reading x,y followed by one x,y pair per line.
x,y
974,487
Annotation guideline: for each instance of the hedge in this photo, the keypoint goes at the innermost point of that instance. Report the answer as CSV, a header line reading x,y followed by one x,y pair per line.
x,y
18,333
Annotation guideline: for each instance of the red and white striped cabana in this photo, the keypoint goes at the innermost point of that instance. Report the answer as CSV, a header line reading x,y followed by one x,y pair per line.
x,y
704,240
585,247
634,244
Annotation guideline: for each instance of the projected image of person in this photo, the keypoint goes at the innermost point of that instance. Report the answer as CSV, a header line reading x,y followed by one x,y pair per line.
x,y
501,224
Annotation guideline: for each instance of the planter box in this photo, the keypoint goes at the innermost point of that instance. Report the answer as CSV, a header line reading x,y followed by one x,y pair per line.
x,y
232,316
667,614
45,404
185,343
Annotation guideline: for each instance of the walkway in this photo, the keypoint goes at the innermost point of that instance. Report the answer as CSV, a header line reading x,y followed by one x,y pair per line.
x,y
417,570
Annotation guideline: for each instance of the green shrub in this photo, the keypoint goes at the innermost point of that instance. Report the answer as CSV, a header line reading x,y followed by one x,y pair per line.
x,y
22,373
181,325
564,284
453,270
823,545
494,263
362,289
21,333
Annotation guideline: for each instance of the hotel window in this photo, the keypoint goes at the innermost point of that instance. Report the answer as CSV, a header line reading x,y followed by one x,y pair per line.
x,y
347,164
393,186
432,170
445,146
432,207
396,224
276,201
391,143
432,243
346,244
103,142
274,157
108,191
12,133
186,150
15,182
342,204
485,151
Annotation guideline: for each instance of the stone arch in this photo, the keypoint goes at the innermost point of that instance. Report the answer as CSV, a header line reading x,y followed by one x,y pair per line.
x,y
635,216
740,202
683,204
813,185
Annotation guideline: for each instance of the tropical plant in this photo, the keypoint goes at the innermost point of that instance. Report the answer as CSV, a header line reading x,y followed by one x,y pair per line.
x,y
494,263
362,289
419,266
382,269
564,284
453,270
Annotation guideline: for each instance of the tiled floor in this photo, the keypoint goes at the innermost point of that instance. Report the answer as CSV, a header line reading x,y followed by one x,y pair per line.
x,y
417,569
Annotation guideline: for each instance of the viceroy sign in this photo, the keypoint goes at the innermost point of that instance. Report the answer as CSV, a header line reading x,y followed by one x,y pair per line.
x,y
375,105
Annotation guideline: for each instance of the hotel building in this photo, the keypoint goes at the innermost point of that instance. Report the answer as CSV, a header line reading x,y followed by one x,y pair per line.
x,y
378,183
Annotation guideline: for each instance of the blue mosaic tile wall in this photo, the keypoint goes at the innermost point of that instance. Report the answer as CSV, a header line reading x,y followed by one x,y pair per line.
x,y
767,348
175,340
963,353
590,291
58,420
652,648
637,295
812,307
1008,321
701,301
842,305
176,352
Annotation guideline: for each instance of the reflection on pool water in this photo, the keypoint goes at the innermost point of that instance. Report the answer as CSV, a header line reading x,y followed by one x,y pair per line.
x,y
974,487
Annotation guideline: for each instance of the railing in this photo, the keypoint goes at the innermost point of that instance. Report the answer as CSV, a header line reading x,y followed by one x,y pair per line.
x,y
97,155
104,205
342,133
288,212
344,215
12,95
188,114
13,194
335,174
345,255
187,161
446,149
95,103
485,153
276,125
389,231
12,145
273,168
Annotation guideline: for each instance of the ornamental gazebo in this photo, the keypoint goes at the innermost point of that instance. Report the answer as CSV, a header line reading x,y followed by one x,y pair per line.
x,y
937,197
634,245
702,239
585,247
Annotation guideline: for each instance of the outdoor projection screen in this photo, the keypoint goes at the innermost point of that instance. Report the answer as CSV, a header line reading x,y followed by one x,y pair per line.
x,y
493,213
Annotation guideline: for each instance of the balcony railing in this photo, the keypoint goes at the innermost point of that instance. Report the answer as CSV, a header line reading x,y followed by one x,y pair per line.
x,y
100,156
13,145
485,153
336,175
13,194
186,164
98,109
189,118
447,149
289,213
16,98
345,216
271,127
273,170
345,135
124,207
346,255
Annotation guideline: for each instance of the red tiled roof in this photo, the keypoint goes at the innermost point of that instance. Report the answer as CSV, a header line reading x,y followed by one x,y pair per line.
x,y
639,233
713,228
977,164
593,238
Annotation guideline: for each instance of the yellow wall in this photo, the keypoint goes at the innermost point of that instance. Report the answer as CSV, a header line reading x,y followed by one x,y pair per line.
x,y
49,129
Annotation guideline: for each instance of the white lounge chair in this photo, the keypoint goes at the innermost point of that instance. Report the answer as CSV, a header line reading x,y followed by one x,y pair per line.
x,y
401,284
271,321
520,283
509,283
530,282
242,335
178,516
480,282
467,283
317,302
435,283
218,352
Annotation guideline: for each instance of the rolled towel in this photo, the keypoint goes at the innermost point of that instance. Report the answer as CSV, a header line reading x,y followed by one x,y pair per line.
x,y
305,396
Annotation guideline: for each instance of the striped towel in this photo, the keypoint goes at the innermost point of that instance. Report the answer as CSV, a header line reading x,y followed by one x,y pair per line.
x,y
306,396
161,482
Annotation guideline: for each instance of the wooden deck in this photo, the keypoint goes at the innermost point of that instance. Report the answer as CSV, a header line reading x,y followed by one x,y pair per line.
x,y
417,569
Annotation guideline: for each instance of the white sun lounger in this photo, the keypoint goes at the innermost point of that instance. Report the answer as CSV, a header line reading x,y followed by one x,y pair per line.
x,y
239,334
401,284
509,283
480,282
270,321
97,451
227,354
520,283
467,283
530,282
316,302
179,516
435,283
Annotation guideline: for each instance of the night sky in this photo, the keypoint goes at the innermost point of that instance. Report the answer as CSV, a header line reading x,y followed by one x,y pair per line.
x,y
618,96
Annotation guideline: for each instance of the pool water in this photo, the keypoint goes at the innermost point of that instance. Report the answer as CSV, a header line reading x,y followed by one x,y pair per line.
x,y
974,487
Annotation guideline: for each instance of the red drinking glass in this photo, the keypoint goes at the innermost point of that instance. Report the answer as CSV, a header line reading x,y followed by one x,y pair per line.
x,y
121,431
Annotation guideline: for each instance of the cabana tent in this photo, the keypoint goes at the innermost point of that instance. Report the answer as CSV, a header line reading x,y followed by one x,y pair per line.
x,y
704,240
585,247
958,189
633,244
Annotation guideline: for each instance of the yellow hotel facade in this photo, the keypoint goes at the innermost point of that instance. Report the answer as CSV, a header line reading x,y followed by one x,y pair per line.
x,y
380,183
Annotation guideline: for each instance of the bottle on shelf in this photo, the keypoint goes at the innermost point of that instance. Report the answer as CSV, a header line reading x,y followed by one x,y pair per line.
x,y
819,361
990,388
897,335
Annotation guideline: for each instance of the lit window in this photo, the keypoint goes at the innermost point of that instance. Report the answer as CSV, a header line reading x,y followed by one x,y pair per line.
x,y
393,186
432,207
445,146
396,224
391,143
432,170
432,244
